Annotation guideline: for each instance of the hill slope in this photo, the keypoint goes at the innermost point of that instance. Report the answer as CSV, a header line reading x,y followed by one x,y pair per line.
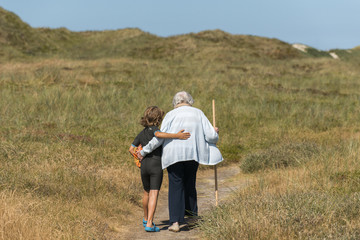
x,y
17,36
287,118
18,39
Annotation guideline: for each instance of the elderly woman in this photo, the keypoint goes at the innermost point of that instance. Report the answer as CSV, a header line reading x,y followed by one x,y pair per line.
x,y
182,157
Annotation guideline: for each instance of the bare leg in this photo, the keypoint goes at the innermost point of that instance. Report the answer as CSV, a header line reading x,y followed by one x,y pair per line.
x,y
145,202
153,197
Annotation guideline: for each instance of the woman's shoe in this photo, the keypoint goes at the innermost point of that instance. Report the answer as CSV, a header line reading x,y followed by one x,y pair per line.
x,y
144,223
174,227
152,229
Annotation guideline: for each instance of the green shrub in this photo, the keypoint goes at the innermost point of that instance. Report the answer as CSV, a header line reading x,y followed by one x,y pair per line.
x,y
346,181
286,155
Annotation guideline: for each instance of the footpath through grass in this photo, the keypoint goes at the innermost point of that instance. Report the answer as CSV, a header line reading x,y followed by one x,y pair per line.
x,y
291,124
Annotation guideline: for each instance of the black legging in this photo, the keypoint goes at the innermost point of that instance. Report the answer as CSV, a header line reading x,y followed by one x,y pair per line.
x,y
151,173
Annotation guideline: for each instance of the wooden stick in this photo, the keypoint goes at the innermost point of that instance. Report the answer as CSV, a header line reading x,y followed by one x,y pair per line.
x,y
215,168
213,108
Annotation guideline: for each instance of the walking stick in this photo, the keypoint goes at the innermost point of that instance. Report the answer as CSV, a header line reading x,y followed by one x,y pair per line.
x,y
215,169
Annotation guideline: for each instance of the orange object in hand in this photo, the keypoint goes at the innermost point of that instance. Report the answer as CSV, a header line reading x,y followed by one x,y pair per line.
x,y
134,154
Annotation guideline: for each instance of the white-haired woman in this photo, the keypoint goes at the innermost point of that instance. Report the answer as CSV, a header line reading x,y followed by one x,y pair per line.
x,y
181,158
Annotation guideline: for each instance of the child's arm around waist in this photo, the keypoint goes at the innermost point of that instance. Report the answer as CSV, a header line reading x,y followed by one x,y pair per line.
x,y
158,140
180,135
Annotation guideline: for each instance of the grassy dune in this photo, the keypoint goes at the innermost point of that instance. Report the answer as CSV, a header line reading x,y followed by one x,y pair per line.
x,y
317,200
69,112
66,126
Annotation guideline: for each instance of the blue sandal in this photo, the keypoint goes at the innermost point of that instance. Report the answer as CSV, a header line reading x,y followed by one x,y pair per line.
x,y
152,229
144,223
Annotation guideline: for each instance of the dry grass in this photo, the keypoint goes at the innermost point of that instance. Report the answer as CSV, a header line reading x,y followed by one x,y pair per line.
x,y
66,126
297,203
64,190
68,119
16,220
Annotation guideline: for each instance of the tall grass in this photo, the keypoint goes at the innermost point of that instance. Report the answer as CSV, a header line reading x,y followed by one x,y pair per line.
x,y
66,125
287,155
319,200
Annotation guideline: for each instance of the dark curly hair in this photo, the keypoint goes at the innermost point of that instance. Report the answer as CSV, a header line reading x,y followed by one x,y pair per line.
x,y
152,116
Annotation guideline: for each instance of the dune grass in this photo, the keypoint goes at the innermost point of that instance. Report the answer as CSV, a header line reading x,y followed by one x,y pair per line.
x,y
319,200
70,110
66,126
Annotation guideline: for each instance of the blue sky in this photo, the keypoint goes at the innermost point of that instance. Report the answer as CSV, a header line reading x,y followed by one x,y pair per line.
x,y
323,24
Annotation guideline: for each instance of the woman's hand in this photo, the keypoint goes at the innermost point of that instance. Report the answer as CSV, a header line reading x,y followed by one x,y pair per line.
x,y
216,130
183,135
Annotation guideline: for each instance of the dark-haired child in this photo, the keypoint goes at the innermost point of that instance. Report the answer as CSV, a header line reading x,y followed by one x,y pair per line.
x,y
151,170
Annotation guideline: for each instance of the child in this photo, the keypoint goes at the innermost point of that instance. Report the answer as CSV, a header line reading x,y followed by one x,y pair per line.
x,y
151,170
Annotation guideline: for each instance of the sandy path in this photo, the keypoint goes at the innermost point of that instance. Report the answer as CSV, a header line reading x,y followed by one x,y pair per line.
x,y
206,200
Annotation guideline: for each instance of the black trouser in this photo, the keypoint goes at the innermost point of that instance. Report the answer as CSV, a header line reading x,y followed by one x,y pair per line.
x,y
182,190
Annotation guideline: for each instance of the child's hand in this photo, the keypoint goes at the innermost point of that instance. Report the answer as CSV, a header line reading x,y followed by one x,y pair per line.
x,y
183,135
140,157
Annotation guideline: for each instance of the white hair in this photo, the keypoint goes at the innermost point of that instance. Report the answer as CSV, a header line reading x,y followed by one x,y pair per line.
x,y
183,97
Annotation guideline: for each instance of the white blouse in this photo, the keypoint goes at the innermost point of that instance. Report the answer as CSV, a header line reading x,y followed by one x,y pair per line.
x,y
201,146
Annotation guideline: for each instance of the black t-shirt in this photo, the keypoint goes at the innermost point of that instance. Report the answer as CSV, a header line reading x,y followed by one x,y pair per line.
x,y
144,138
